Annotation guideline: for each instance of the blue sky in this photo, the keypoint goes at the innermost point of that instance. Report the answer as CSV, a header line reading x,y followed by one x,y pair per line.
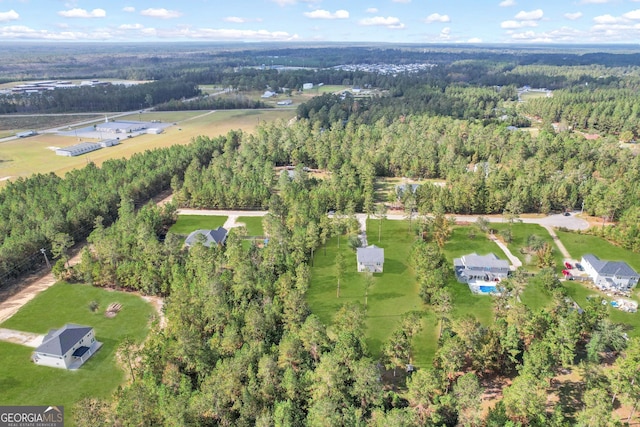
x,y
396,21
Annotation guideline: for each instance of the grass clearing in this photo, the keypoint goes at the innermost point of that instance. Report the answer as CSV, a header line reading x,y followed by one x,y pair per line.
x,y
27,156
253,225
521,233
24,383
581,244
188,223
393,293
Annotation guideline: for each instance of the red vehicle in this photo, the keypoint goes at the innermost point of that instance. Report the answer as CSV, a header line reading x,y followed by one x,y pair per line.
x,y
568,265
565,273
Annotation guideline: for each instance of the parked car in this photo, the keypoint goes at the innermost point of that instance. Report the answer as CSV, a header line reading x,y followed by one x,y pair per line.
x,y
579,266
567,214
568,265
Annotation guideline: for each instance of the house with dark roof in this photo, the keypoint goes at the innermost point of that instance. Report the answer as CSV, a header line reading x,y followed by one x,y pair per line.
x,y
474,267
67,348
370,259
610,275
207,237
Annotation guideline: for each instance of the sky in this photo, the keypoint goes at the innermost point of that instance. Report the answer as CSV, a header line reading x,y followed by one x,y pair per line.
x,y
393,21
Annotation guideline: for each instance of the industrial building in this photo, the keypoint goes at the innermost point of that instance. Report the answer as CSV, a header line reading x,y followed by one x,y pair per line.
x,y
78,149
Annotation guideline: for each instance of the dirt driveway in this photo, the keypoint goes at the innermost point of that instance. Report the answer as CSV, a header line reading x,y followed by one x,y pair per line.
x,y
23,338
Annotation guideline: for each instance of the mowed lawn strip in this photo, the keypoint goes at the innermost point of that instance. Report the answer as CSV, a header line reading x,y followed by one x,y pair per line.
x,y
24,383
188,223
253,225
520,235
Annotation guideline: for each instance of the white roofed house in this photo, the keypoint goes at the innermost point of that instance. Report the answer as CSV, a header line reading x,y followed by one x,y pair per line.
x,y
67,348
370,259
208,237
613,275
474,267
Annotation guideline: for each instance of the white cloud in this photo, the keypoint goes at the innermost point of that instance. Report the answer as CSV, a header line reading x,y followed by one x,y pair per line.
x,y
390,22
474,40
131,27
436,17
21,32
225,34
573,16
445,34
325,14
511,24
161,13
534,15
129,9
11,15
375,10
507,3
606,19
83,13
235,19
633,15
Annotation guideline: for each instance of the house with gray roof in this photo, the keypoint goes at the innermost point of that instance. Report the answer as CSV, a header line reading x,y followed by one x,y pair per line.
x,y
610,275
67,348
474,267
207,237
370,259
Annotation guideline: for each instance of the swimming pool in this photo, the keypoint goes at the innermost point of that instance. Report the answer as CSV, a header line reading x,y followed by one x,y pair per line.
x,y
484,289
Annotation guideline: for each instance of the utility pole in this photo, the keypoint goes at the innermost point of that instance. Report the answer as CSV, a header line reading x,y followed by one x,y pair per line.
x,y
44,252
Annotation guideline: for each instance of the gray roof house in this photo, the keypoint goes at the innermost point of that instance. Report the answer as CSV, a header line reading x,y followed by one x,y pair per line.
x,y
472,267
210,237
67,348
370,259
614,275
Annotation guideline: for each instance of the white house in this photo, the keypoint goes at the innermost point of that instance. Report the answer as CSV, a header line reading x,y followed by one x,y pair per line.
x,y
370,259
616,275
67,348
210,237
473,267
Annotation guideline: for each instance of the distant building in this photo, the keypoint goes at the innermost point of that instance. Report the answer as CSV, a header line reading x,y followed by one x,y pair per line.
x,y
610,275
155,131
26,134
67,348
489,268
78,149
285,102
268,94
370,259
307,86
208,237
121,127
109,142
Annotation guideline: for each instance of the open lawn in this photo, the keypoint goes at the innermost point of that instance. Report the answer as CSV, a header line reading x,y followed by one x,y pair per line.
x,y
24,383
253,224
521,233
188,223
393,293
581,244
26,156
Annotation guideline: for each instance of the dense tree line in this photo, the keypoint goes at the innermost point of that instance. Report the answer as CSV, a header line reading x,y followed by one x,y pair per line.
x,y
98,98
219,102
35,210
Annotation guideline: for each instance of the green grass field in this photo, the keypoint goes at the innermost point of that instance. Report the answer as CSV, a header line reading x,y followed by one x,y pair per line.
x,y
188,223
26,156
253,224
24,383
393,293
581,244
521,233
